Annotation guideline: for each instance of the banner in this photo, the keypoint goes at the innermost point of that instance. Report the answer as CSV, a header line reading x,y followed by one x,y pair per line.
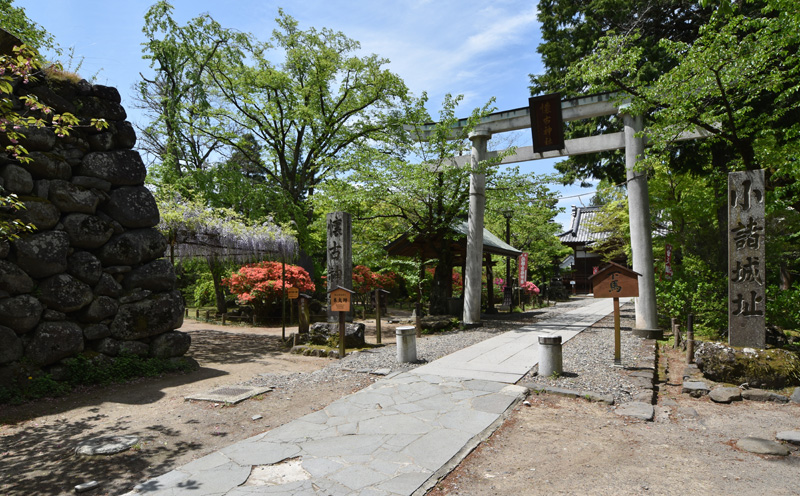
x,y
668,262
522,268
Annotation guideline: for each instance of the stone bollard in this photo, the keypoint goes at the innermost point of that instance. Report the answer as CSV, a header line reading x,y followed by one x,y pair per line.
x,y
550,356
406,344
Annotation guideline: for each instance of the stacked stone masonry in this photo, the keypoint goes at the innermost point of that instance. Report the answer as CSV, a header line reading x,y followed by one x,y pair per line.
x,y
91,277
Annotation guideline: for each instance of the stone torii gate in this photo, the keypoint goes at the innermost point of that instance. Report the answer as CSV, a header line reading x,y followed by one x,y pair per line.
x,y
638,200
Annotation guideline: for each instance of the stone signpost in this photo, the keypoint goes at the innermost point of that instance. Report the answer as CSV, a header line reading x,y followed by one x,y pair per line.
x,y
340,256
746,290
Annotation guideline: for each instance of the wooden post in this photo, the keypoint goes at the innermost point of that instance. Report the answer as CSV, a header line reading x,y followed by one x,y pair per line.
x,y
208,313
223,318
617,337
690,338
197,313
676,332
418,322
342,317
378,316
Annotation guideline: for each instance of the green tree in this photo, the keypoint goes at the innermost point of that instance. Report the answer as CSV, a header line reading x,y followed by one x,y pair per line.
x,y
570,31
310,115
390,195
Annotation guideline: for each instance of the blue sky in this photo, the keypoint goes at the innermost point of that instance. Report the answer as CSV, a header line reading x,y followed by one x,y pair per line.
x,y
476,48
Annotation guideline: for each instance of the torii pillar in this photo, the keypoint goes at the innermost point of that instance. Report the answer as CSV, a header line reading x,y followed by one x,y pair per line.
x,y
641,237
477,203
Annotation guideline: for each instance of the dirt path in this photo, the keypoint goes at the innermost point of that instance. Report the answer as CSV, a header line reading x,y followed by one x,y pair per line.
x,y
37,440
564,446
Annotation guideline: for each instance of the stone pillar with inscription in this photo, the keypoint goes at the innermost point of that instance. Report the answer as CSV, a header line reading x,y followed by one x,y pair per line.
x,y
746,250
477,203
340,257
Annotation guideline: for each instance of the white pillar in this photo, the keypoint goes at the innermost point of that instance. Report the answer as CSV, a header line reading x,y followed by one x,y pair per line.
x,y
641,233
477,203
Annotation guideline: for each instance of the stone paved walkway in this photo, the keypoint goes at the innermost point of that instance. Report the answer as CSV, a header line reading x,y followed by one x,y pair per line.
x,y
396,437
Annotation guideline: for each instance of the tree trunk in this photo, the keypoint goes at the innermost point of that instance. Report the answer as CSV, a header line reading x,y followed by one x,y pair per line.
x,y
442,287
216,276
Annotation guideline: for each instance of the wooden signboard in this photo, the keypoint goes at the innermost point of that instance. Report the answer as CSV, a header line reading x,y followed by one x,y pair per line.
x,y
615,281
340,300
292,293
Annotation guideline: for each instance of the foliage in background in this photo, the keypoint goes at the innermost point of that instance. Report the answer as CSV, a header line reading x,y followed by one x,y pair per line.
x,y
365,280
219,236
261,284
282,128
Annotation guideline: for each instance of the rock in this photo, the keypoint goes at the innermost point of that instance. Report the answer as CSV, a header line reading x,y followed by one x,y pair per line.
x,y
87,231
5,248
161,313
10,346
93,106
795,395
120,167
695,389
99,309
761,395
53,341
688,412
762,446
85,267
792,437
49,166
21,313
644,396
133,247
38,139
326,333
115,347
138,295
636,409
773,369
53,315
69,197
65,293
41,213
43,254
101,142
96,331
158,275
437,322
107,286
92,182
16,179
106,445
381,372
109,93
133,207
725,394
14,280
170,344
607,399
125,136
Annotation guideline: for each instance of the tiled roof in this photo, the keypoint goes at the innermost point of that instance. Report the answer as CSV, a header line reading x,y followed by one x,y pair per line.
x,y
581,229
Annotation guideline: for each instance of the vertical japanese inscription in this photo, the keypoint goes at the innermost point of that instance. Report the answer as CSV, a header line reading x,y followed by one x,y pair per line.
x,y
340,255
746,291
547,127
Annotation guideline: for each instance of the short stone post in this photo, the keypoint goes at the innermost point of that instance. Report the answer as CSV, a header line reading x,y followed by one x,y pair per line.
x,y
550,356
406,344
676,332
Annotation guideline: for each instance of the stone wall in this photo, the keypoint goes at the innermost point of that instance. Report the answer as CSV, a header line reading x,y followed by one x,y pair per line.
x,y
91,277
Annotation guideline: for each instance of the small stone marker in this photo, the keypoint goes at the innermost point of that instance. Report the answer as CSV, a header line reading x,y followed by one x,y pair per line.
x,y
406,337
789,436
550,357
725,394
762,446
795,397
109,445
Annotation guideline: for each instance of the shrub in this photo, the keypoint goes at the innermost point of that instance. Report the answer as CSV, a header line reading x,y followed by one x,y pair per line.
x,y
783,307
260,284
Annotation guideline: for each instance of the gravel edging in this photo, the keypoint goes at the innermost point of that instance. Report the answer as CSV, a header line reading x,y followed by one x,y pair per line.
x,y
587,358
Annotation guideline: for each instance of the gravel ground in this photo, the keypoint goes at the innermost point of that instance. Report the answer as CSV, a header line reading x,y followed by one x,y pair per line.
x,y
588,358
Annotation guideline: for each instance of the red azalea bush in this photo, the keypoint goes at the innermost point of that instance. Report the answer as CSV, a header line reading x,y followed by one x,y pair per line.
x,y
364,280
530,288
260,284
